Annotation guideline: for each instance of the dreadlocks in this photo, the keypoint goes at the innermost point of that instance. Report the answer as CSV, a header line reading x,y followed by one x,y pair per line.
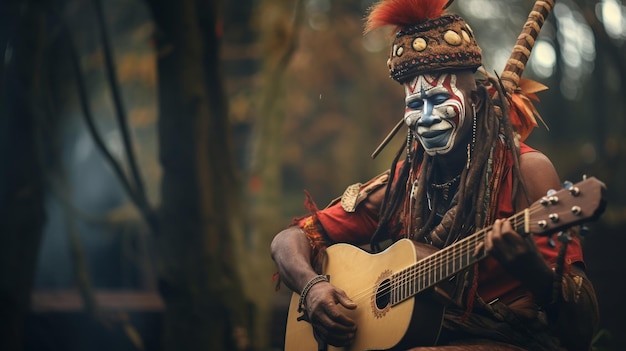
x,y
412,213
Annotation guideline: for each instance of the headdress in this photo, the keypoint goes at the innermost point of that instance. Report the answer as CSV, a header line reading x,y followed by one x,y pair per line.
x,y
426,40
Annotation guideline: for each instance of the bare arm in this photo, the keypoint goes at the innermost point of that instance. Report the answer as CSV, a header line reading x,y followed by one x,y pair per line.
x,y
292,254
325,304
574,314
291,250
539,175
517,254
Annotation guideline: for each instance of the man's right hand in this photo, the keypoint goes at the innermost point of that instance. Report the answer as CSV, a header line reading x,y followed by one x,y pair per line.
x,y
326,306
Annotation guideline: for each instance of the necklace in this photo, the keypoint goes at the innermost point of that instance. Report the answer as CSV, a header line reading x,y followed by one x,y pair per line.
x,y
445,187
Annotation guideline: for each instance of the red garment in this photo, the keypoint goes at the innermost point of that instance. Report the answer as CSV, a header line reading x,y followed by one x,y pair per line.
x,y
493,281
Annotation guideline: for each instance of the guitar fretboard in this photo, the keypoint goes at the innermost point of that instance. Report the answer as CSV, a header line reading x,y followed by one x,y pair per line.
x,y
439,266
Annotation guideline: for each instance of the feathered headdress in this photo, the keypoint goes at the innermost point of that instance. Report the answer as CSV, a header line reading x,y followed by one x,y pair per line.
x,y
427,40
403,13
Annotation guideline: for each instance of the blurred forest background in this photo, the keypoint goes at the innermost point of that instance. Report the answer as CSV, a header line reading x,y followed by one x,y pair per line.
x,y
150,150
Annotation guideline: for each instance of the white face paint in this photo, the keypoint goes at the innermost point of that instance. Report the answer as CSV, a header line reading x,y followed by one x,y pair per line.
x,y
435,111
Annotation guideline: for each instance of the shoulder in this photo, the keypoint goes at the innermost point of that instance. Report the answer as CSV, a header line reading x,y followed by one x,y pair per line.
x,y
538,175
523,148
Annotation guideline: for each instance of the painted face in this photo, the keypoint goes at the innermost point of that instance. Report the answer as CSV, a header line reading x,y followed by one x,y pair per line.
x,y
435,111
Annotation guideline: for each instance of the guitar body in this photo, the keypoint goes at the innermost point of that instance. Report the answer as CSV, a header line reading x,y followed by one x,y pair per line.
x,y
380,326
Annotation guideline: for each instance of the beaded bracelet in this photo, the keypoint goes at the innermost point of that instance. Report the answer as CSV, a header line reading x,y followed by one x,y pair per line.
x,y
307,287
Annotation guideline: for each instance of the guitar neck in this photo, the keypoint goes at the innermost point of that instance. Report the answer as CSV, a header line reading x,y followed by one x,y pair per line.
x,y
443,264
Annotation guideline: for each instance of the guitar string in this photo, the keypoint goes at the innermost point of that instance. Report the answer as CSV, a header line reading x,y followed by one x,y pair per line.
x,y
432,264
435,261
436,264
428,264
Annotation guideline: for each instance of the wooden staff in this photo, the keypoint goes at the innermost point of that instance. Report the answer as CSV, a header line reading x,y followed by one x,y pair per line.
x,y
525,41
388,138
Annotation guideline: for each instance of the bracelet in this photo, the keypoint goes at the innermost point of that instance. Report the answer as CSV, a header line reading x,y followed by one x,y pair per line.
x,y
307,287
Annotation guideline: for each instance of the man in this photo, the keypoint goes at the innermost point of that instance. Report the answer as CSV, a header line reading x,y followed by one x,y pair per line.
x,y
465,167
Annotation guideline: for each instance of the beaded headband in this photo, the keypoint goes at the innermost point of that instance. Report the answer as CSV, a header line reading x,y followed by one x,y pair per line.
x,y
444,43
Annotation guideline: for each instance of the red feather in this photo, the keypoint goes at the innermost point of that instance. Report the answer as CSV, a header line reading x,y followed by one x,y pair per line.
x,y
401,13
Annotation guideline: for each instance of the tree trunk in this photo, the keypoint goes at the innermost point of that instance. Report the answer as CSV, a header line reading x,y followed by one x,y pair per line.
x,y
197,278
21,184
279,22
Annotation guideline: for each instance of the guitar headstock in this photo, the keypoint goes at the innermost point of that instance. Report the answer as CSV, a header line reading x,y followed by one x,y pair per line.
x,y
581,202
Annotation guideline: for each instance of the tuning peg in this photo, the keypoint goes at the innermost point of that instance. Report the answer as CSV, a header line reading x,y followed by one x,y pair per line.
x,y
571,188
549,199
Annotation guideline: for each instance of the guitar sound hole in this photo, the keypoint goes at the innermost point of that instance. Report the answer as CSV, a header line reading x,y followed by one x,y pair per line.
x,y
383,294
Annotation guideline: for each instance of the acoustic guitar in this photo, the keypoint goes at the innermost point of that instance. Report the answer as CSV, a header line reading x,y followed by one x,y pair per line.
x,y
388,286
